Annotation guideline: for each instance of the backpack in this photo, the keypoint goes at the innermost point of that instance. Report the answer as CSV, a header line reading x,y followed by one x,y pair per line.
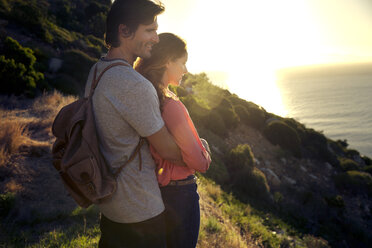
x,y
76,154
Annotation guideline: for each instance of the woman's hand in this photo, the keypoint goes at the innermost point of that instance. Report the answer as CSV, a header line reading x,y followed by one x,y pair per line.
x,y
206,146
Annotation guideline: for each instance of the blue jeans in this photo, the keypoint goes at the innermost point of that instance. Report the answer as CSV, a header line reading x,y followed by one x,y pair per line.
x,y
182,215
148,233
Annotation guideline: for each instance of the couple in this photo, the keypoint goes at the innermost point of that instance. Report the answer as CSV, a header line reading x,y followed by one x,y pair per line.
x,y
156,204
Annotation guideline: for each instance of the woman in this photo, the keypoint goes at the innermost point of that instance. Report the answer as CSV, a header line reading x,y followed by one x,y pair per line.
x,y
177,183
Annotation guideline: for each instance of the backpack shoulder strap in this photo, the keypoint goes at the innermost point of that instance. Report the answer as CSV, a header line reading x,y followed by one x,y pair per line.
x,y
96,80
137,150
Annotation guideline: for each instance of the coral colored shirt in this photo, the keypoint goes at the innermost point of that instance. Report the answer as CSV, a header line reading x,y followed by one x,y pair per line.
x,y
181,127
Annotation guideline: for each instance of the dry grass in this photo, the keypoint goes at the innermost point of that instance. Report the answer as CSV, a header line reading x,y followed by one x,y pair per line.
x,y
50,103
12,136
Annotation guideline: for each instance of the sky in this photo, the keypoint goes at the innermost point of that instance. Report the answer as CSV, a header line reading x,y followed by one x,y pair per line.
x,y
246,41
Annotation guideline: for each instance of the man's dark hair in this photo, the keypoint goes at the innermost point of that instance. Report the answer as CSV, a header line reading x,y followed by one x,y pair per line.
x,y
131,13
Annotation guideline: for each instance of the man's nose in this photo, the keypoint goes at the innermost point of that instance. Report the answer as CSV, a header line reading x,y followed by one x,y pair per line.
x,y
185,70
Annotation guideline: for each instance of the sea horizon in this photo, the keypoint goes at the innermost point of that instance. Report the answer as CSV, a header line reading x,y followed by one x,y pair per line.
x,y
335,104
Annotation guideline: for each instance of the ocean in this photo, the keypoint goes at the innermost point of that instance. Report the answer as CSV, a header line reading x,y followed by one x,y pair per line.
x,y
338,105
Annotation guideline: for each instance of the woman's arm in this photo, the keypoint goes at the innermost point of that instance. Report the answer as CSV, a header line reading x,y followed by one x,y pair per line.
x,y
164,144
181,127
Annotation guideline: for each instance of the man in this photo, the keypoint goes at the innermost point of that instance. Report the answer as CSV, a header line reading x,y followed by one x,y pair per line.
x,y
126,107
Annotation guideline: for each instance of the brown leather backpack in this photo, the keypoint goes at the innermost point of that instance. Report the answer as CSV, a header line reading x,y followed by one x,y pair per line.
x,y
76,153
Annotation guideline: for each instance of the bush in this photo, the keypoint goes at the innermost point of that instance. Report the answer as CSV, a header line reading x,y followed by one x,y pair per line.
x,y
226,111
356,181
67,85
368,169
7,202
77,65
17,70
196,111
335,201
279,133
347,164
217,171
178,90
257,116
367,160
214,122
243,114
239,158
252,183
20,54
4,8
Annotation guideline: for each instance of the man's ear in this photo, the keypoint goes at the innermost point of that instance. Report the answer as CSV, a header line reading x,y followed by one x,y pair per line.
x,y
124,31
167,65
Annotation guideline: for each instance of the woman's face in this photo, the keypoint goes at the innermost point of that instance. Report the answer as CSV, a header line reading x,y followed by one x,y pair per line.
x,y
176,69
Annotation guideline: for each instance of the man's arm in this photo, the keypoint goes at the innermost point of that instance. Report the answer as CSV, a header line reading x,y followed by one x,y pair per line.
x,y
164,144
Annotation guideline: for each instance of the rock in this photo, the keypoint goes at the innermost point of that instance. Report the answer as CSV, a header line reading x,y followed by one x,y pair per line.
x,y
284,161
271,176
267,163
303,168
289,180
328,166
55,64
358,159
313,177
256,161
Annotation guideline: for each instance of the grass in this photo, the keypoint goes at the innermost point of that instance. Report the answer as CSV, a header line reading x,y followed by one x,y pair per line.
x,y
12,136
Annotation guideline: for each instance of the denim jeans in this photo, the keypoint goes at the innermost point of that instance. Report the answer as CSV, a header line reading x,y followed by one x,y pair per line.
x,y
149,233
182,215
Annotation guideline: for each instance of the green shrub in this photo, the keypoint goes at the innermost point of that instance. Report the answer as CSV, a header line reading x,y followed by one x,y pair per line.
x,y
317,144
4,8
7,202
347,164
351,153
181,92
240,157
20,54
257,116
66,84
279,133
368,169
214,122
299,127
367,160
77,65
252,183
196,110
17,70
226,111
217,171
178,90
31,15
243,114
357,181
335,201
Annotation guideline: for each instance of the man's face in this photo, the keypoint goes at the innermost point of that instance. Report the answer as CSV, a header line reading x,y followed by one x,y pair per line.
x,y
143,40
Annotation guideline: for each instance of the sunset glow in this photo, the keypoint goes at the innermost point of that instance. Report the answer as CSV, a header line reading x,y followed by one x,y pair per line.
x,y
250,40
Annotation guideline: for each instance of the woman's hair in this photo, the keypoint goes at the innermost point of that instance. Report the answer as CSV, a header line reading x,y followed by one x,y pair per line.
x,y
131,13
169,48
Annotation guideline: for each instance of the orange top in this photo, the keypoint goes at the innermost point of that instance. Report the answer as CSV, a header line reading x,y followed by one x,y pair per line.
x,y
181,127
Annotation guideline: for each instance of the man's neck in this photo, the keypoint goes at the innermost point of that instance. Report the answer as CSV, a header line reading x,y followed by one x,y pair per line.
x,y
118,53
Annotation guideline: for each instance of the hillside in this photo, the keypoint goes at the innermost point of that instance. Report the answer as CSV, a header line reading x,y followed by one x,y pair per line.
x,y
36,211
273,181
